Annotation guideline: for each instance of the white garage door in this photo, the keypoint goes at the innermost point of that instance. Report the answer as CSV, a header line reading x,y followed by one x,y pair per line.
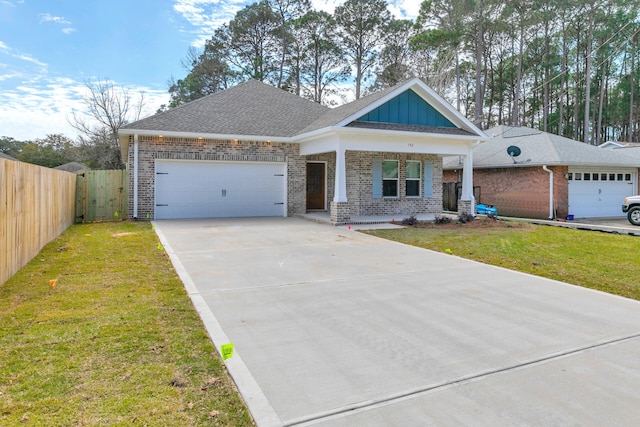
x,y
201,189
599,193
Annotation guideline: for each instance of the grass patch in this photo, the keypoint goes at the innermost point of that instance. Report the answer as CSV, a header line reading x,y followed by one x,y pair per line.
x,y
115,341
607,262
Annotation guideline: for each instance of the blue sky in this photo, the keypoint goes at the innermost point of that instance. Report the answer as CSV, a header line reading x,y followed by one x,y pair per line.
x,y
50,48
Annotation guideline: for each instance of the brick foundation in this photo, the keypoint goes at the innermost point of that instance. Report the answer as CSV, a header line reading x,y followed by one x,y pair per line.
x,y
340,213
464,207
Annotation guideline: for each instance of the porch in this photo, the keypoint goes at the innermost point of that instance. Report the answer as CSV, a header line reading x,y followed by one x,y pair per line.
x,y
325,218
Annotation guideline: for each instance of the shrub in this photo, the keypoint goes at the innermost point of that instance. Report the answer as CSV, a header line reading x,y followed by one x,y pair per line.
x,y
442,220
463,218
412,220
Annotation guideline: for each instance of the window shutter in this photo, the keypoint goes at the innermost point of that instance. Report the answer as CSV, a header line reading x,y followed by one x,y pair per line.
x,y
377,179
428,180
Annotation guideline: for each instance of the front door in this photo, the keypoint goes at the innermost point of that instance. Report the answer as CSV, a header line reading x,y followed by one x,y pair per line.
x,y
316,186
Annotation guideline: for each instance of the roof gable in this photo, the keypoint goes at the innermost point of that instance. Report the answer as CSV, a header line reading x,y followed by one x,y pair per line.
x,y
425,99
408,108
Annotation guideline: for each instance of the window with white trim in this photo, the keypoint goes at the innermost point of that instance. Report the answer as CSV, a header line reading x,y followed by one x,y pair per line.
x,y
390,169
413,177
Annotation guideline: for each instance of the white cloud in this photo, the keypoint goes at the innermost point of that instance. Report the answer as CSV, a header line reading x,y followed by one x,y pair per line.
x,y
45,106
405,9
69,30
4,48
47,17
326,5
29,58
205,16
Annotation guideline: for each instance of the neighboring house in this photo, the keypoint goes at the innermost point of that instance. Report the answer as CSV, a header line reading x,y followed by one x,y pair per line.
x,y
73,167
587,181
7,157
614,144
255,150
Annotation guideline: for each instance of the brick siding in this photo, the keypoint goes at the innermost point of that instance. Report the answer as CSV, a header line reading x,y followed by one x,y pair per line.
x,y
152,148
520,191
359,173
360,184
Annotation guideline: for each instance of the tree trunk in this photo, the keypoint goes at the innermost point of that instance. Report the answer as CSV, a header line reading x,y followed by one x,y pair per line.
x,y
576,105
516,98
358,79
458,90
587,84
479,55
603,84
491,97
284,49
545,85
563,80
631,84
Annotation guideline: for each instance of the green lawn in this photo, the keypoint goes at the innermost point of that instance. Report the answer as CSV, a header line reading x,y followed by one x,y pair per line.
x,y
603,261
116,341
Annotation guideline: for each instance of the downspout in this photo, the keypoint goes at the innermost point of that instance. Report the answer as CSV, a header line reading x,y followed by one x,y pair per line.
x,y
550,172
135,176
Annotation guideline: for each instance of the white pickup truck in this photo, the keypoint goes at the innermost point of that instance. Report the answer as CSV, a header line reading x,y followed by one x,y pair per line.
x,y
631,206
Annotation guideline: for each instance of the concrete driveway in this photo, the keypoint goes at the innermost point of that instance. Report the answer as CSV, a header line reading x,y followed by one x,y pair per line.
x,y
333,327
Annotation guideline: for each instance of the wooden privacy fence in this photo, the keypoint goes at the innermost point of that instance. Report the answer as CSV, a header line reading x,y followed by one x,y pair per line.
x,y
101,195
36,205
451,192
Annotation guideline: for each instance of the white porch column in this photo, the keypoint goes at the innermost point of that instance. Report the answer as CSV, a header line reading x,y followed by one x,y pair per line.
x,y
339,209
467,185
340,193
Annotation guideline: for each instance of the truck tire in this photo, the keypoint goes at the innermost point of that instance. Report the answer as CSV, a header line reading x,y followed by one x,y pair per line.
x,y
634,215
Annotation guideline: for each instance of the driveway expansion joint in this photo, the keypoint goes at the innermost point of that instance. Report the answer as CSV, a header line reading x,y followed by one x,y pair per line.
x,y
370,404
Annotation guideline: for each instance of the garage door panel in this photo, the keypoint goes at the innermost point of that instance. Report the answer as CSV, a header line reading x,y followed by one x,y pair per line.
x,y
186,189
598,198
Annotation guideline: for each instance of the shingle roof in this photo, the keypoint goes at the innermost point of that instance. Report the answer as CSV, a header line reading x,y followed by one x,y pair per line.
x,y
73,167
254,108
250,108
541,148
8,157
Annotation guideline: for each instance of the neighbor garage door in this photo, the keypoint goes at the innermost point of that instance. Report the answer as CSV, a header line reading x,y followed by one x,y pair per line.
x,y
599,193
201,189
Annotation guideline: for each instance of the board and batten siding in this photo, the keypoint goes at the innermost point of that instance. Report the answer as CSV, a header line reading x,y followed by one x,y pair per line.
x,y
36,205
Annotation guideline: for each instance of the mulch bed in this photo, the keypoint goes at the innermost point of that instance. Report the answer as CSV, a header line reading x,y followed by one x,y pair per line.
x,y
478,222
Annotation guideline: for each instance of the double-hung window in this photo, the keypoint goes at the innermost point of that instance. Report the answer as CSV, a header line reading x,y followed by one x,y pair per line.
x,y
413,175
390,169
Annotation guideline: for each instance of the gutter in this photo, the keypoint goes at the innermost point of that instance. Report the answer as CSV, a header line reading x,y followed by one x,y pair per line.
x,y
195,135
135,176
550,172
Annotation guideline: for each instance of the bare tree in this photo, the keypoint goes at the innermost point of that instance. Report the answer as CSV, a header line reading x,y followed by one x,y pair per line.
x,y
109,108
